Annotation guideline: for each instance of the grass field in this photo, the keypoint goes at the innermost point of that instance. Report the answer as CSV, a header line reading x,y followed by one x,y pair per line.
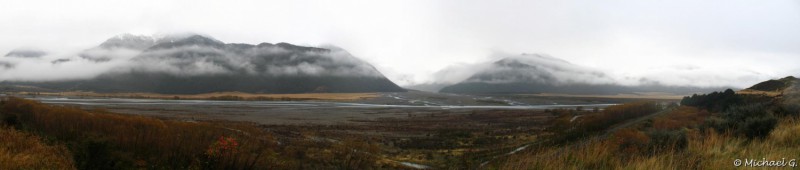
x,y
759,92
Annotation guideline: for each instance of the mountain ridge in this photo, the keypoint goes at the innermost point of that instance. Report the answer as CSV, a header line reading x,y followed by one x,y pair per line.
x,y
544,74
197,64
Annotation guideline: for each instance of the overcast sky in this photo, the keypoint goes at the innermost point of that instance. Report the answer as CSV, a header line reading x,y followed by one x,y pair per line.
x,y
715,42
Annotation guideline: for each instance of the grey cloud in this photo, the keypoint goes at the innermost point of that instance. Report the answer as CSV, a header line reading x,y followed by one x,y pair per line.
x,y
522,68
539,68
265,60
26,53
54,67
5,65
199,56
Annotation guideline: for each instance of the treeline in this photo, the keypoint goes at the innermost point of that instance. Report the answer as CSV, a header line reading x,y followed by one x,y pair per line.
x,y
99,139
715,101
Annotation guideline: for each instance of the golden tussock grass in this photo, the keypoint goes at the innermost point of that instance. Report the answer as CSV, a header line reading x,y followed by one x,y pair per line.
x,y
705,150
19,150
759,92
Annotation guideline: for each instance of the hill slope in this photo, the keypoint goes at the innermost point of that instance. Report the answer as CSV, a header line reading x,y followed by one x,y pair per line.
x,y
774,85
193,64
544,74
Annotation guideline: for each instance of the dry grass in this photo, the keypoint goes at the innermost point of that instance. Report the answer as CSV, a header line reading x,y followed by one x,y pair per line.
x,y
103,140
143,140
240,95
705,150
19,150
759,92
681,117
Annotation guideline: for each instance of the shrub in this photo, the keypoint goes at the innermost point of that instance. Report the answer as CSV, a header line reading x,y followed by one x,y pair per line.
x,y
631,141
758,127
715,123
104,140
100,139
94,153
19,150
682,117
666,140
715,101
751,120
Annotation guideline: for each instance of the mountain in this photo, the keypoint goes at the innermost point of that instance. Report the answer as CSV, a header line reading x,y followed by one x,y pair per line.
x,y
26,53
193,64
429,87
111,48
533,73
130,41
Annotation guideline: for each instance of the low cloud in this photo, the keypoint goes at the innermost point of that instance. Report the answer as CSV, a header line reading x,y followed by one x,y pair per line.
x,y
186,60
69,67
703,76
542,68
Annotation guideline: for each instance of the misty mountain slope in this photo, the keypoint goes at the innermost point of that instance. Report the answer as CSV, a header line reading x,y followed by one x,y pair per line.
x,y
428,87
26,53
198,64
117,46
6,65
544,74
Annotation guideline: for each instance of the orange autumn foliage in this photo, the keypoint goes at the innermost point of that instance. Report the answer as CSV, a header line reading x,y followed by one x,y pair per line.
x,y
631,141
143,141
683,116
19,150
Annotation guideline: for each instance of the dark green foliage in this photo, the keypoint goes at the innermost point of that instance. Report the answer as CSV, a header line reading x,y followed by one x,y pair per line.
x,y
715,123
666,140
774,85
770,85
791,108
751,120
716,101
93,154
758,127
11,120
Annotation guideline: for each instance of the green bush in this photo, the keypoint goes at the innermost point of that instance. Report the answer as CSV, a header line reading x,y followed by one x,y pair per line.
x,y
751,120
758,127
666,140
